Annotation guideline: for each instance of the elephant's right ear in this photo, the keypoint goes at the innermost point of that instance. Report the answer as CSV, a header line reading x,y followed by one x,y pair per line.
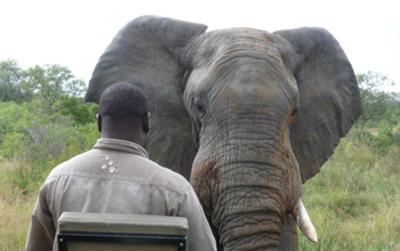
x,y
329,95
146,53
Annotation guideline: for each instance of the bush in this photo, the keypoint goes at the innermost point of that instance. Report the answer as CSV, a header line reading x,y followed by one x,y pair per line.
x,y
13,118
38,140
81,112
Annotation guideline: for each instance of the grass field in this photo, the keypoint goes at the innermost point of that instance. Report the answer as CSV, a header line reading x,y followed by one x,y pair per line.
x,y
15,209
354,202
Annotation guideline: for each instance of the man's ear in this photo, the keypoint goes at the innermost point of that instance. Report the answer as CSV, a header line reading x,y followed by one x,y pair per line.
x,y
98,119
146,123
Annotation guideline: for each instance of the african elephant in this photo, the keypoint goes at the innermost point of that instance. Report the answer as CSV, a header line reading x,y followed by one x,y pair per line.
x,y
246,114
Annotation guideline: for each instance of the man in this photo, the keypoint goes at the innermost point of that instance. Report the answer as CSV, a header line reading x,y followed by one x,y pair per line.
x,y
116,176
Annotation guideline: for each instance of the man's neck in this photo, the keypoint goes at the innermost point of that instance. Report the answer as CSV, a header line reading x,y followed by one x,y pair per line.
x,y
128,134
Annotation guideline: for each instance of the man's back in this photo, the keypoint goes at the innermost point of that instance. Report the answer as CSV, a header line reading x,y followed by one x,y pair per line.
x,y
110,180
117,177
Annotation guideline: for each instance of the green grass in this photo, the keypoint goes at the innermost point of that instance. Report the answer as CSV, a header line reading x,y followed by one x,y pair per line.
x,y
354,202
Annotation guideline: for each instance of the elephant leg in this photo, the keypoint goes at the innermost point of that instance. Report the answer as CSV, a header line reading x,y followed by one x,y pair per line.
x,y
289,237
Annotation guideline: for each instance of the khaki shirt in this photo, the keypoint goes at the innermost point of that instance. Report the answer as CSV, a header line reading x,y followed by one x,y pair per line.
x,y
116,176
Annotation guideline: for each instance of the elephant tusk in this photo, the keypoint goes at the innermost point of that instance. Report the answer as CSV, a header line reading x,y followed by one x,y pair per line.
x,y
304,222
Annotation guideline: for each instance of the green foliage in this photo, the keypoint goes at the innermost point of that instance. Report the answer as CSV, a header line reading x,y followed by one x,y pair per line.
x,y
48,82
53,81
381,113
40,147
14,118
82,113
12,145
377,104
51,126
12,85
88,134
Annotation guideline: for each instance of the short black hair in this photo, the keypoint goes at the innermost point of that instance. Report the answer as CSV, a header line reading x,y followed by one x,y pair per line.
x,y
123,101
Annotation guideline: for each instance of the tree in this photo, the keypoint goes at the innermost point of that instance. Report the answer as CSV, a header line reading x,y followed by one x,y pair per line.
x,y
53,81
376,103
381,113
81,112
12,82
48,82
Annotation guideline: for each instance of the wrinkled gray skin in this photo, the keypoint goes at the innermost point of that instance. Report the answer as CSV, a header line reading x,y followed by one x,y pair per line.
x,y
248,115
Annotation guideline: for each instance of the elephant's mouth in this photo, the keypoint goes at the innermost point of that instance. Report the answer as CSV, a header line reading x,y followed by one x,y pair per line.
x,y
204,186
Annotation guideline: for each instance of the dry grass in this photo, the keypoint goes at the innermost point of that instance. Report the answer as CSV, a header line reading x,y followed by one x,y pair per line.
x,y
15,211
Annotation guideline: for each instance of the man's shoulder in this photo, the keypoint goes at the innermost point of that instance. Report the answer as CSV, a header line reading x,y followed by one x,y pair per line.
x,y
65,167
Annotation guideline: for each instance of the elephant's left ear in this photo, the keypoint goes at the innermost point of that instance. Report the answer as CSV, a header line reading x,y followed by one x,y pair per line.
x,y
329,95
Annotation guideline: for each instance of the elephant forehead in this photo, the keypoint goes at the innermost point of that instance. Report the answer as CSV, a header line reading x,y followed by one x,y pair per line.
x,y
229,43
243,75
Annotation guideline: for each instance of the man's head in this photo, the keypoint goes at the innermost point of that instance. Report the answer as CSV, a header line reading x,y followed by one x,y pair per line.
x,y
123,113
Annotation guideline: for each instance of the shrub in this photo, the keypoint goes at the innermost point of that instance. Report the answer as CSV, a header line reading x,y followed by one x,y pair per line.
x,y
82,113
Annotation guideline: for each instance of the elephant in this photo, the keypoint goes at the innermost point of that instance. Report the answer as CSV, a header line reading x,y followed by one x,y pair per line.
x,y
246,115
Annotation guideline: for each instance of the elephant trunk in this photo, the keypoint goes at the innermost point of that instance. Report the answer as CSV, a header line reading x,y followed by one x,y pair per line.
x,y
247,178
247,200
250,208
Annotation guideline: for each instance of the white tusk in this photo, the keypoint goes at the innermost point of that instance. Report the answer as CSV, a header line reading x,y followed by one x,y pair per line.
x,y
304,222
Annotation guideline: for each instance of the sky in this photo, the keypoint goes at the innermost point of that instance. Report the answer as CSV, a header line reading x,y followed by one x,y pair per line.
x,y
74,33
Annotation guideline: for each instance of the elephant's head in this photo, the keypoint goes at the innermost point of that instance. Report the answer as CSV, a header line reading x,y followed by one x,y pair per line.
x,y
248,115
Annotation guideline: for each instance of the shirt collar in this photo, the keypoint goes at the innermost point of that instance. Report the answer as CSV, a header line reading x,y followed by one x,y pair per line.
x,y
121,145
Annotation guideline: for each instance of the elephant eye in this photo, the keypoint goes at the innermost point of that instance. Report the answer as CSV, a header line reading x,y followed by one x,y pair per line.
x,y
199,107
